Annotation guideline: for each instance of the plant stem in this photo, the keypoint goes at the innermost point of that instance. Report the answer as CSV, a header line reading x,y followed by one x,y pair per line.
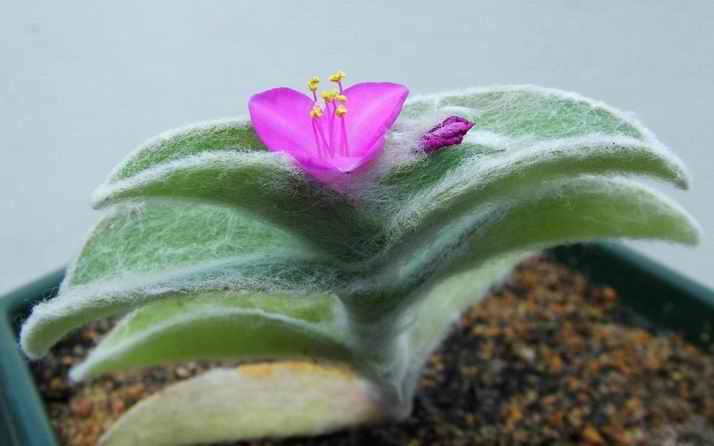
x,y
381,346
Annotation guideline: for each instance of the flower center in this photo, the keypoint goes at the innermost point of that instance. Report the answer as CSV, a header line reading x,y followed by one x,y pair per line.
x,y
327,141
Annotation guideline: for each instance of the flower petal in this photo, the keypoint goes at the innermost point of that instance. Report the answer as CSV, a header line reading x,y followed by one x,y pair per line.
x,y
336,170
372,109
371,153
321,169
281,117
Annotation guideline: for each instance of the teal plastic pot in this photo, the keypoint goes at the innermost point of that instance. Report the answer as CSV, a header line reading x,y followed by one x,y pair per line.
x,y
659,296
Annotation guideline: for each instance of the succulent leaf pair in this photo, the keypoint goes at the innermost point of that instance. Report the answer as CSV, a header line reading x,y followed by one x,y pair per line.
x,y
216,248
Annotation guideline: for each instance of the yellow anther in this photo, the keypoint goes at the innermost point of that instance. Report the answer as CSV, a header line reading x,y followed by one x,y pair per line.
x,y
315,112
341,110
329,95
337,76
313,83
341,98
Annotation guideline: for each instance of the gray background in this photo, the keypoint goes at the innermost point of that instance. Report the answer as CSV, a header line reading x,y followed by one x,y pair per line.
x,y
82,84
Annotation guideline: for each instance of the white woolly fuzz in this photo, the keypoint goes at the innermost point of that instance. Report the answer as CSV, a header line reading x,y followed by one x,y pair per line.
x,y
401,149
477,173
278,162
157,142
127,291
258,320
491,139
627,117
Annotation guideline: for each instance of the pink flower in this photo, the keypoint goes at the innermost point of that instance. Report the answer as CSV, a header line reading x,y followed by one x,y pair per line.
x,y
332,139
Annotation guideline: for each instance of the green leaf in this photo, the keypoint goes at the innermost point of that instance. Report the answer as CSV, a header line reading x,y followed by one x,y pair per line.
x,y
221,324
584,208
496,177
160,250
523,117
231,135
263,184
254,401
531,113
554,212
155,236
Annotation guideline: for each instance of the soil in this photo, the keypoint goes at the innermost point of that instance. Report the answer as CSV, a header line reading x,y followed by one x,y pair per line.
x,y
547,359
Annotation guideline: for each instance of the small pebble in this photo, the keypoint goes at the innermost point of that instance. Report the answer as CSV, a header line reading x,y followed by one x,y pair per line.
x,y
81,407
592,436
118,407
182,372
135,392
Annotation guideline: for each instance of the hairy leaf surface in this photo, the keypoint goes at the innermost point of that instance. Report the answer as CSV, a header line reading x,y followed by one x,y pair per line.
x,y
221,325
253,401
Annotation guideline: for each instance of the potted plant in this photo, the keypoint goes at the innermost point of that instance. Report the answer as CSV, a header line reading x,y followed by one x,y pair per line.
x,y
351,232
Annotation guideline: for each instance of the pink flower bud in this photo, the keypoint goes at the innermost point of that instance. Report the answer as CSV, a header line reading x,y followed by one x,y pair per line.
x,y
449,132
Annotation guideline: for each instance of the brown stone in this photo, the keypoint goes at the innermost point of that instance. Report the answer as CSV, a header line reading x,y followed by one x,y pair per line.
x,y
81,407
592,436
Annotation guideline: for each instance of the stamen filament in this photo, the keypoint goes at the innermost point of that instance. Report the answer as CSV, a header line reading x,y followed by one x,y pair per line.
x,y
345,145
331,121
326,146
317,140
318,126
